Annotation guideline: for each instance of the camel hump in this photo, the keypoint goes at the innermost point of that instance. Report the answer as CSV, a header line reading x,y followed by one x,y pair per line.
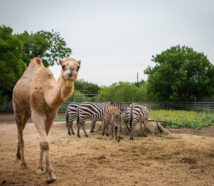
x,y
36,61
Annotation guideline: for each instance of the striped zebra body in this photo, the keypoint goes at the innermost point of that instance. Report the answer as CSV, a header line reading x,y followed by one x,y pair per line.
x,y
135,114
92,111
71,115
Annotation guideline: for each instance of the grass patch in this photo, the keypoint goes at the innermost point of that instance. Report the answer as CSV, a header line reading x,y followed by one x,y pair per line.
x,y
183,119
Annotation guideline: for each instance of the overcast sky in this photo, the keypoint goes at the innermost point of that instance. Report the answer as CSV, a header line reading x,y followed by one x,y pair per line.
x,y
115,39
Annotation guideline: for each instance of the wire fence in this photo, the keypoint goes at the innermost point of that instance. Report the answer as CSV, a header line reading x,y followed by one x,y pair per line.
x,y
190,106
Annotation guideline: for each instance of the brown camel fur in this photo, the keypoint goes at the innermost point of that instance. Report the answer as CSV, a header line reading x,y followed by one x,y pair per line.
x,y
37,94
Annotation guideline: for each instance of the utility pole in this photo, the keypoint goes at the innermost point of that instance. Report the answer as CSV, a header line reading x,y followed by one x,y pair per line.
x,y
137,77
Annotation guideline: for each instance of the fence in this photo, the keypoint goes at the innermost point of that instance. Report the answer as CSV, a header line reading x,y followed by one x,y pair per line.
x,y
193,106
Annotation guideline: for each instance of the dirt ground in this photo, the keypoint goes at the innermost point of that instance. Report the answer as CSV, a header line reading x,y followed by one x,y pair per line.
x,y
181,159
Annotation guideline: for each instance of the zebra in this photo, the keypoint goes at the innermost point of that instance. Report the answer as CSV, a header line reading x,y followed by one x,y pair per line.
x,y
108,117
71,115
113,118
93,111
134,114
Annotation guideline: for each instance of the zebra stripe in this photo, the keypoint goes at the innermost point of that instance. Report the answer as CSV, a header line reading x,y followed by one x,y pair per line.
x,y
93,111
135,114
71,115
108,117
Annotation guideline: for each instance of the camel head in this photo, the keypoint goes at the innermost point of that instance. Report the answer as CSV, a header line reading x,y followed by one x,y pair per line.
x,y
70,68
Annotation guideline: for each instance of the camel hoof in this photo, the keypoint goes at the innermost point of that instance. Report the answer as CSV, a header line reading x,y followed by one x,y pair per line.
x,y
51,178
40,171
24,165
18,156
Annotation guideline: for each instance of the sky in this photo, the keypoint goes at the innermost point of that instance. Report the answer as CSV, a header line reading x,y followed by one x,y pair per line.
x,y
115,39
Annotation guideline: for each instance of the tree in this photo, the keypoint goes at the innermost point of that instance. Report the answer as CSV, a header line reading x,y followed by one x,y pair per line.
x,y
48,45
90,89
180,74
11,63
16,51
124,92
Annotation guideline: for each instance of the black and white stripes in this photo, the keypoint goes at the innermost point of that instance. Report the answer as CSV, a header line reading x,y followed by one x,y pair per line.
x,y
71,115
92,111
134,114
131,115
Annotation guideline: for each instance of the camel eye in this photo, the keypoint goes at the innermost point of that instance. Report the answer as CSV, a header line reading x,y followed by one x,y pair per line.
x,y
63,66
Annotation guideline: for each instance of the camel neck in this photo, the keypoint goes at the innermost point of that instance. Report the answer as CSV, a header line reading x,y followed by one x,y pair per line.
x,y
62,90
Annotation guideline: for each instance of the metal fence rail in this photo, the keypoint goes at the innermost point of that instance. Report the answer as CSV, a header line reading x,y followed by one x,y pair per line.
x,y
191,106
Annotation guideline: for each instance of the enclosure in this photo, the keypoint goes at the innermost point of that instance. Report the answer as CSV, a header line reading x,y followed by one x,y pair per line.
x,y
184,158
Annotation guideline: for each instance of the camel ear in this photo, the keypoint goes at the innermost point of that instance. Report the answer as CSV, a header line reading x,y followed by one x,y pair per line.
x,y
61,62
79,62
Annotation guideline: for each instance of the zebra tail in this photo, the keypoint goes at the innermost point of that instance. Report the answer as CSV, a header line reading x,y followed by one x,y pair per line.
x,y
66,118
78,118
131,115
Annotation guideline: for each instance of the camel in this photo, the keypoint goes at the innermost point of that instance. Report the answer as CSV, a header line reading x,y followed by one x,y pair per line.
x,y
39,95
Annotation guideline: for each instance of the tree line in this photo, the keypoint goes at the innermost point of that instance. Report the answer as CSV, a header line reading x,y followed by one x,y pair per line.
x,y
180,73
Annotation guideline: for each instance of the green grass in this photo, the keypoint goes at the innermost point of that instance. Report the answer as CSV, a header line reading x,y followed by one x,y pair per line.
x,y
175,118
181,119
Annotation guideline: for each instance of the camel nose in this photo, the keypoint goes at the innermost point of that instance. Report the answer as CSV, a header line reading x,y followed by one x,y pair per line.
x,y
70,74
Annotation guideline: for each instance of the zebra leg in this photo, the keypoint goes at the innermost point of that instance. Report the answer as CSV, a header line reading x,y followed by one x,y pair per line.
x,y
104,127
69,127
132,131
72,130
141,129
83,127
127,127
93,126
112,130
120,130
78,129
115,130
107,129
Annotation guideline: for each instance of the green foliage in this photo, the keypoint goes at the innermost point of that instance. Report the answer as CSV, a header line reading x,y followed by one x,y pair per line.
x,y
89,89
11,63
124,92
180,74
183,119
16,50
48,45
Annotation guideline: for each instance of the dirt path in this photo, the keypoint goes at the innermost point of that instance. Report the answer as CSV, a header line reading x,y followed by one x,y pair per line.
x,y
182,159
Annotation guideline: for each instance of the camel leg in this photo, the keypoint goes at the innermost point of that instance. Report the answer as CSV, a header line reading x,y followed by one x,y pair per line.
x,y
21,122
43,126
20,150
